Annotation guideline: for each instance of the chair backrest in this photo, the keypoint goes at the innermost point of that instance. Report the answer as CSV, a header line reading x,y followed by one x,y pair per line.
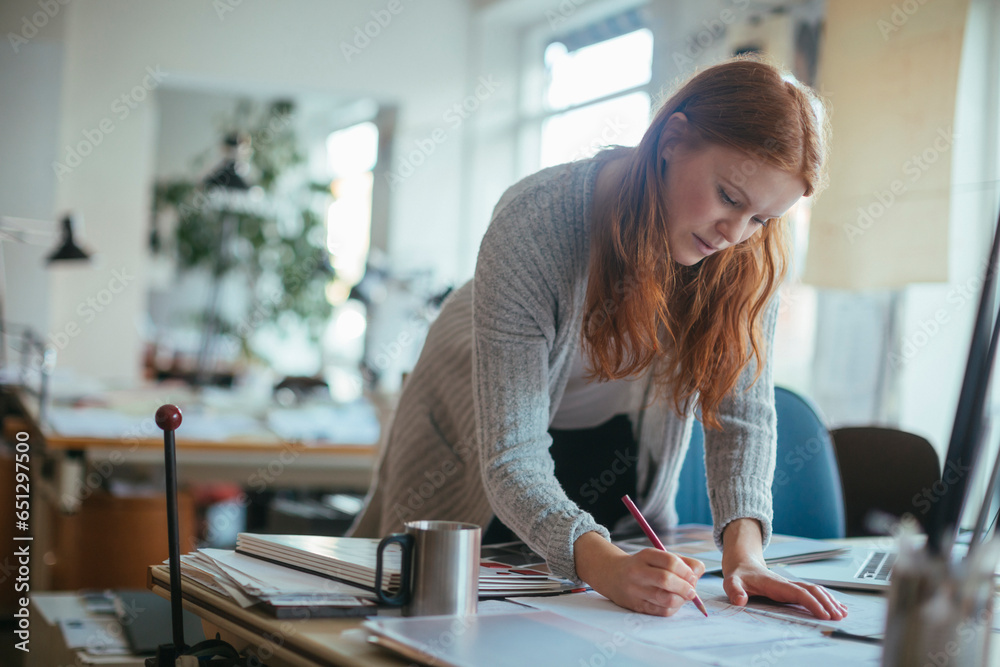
x,y
887,470
808,501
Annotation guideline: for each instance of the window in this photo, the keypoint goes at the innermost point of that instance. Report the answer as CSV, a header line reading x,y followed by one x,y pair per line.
x,y
595,95
351,156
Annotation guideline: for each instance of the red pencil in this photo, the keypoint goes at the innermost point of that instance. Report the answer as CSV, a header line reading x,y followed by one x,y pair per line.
x,y
656,542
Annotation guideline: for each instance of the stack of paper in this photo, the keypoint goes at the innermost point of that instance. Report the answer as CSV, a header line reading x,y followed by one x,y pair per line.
x,y
502,580
278,590
352,560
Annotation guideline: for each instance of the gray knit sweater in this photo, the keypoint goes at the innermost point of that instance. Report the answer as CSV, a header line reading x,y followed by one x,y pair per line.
x,y
470,434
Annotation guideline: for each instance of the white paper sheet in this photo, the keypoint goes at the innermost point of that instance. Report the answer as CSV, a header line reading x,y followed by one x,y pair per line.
x,y
765,633
794,651
865,613
687,629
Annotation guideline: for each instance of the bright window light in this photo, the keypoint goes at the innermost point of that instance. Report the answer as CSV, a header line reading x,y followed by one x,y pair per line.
x,y
348,226
583,132
350,322
598,70
351,156
353,150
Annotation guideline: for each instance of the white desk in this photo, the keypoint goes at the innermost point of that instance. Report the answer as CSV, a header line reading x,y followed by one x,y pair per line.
x,y
48,647
302,643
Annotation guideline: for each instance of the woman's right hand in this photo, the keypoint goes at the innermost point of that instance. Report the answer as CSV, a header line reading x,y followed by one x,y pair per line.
x,y
650,582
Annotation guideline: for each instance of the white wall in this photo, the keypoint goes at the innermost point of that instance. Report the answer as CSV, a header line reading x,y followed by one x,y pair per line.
x,y
415,60
30,79
937,319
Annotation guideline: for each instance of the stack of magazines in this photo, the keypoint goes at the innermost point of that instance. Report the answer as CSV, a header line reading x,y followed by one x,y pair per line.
x,y
352,560
274,589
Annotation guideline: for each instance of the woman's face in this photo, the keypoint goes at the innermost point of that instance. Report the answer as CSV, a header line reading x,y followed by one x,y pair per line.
x,y
717,197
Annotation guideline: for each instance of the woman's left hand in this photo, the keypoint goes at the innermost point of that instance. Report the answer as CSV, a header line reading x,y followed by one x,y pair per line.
x,y
751,577
746,574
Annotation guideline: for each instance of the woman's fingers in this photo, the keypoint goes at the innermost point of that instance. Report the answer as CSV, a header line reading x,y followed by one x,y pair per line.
x,y
801,596
735,590
696,565
688,569
668,582
816,599
656,609
667,572
820,601
658,583
832,605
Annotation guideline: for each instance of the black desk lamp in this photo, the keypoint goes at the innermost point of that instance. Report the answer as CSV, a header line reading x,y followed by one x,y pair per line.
x,y
68,250
31,232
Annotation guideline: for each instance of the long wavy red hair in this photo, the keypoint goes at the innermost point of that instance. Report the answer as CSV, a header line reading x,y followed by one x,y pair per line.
x,y
698,326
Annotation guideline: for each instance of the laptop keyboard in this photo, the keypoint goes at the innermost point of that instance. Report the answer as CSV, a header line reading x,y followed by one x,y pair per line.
x,y
877,567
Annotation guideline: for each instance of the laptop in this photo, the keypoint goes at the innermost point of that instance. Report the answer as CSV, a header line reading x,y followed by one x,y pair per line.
x,y
861,569
871,569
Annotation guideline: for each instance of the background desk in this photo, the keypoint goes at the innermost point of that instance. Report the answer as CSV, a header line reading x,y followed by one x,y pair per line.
x,y
233,454
48,645
70,513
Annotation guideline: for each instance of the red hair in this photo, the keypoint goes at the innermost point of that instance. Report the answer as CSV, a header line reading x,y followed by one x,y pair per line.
x,y
702,322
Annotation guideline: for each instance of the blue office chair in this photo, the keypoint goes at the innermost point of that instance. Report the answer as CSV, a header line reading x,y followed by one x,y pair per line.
x,y
808,501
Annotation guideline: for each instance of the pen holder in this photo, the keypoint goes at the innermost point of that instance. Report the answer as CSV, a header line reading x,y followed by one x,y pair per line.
x,y
940,612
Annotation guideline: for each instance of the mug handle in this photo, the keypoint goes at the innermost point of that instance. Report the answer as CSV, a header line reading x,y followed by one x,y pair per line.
x,y
405,542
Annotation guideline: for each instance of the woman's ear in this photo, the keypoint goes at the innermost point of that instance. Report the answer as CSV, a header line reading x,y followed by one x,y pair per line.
x,y
675,130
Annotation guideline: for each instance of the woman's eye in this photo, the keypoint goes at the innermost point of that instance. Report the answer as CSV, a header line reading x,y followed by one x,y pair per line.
x,y
726,199
762,223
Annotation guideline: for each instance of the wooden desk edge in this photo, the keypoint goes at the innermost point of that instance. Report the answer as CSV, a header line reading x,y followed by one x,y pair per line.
x,y
198,600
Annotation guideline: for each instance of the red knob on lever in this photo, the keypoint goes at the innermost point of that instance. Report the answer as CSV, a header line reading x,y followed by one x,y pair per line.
x,y
168,417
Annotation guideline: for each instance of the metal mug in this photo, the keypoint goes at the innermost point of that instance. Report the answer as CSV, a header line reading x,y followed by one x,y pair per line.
x,y
439,574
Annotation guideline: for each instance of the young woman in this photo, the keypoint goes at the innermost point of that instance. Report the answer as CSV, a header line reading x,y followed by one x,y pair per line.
x,y
611,298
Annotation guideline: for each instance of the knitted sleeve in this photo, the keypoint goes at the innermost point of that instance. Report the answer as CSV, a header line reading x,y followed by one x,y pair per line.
x,y
514,306
740,458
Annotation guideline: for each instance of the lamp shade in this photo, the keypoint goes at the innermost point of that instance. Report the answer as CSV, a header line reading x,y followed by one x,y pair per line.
x,y
68,250
226,176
